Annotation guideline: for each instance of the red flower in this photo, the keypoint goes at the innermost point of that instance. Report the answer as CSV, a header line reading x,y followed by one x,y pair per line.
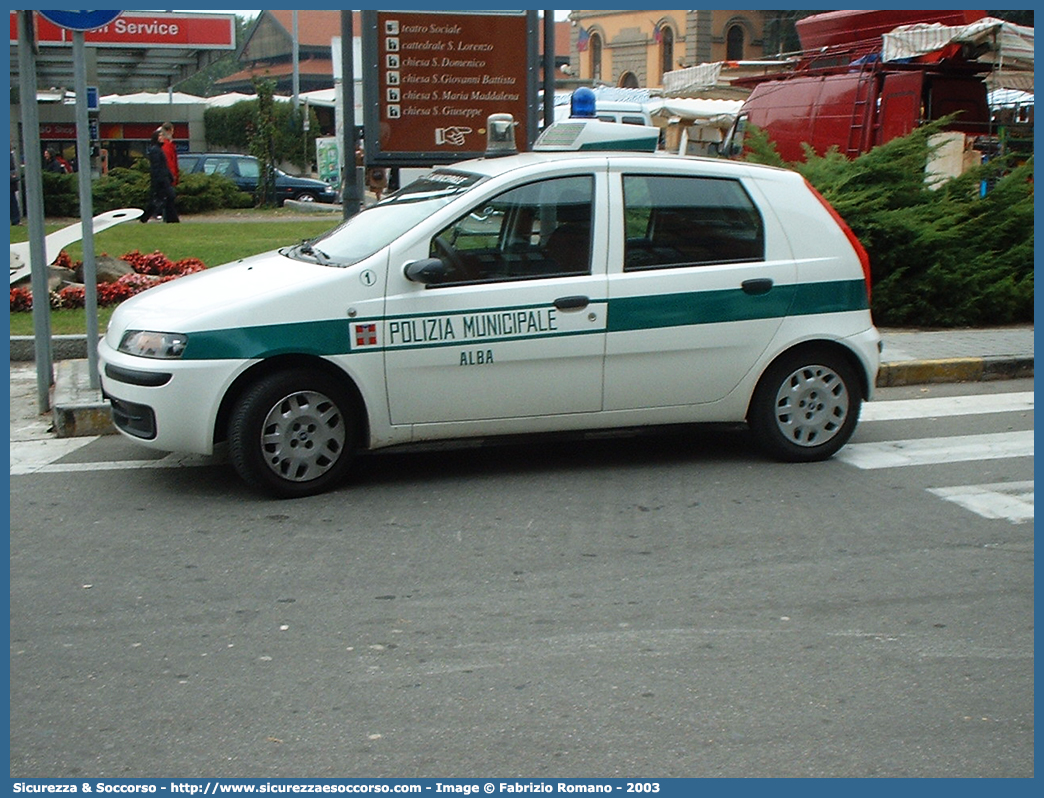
x,y
21,299
149,270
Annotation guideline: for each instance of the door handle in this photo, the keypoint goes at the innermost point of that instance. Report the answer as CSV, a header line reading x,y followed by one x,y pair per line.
x,y
760,285
572,302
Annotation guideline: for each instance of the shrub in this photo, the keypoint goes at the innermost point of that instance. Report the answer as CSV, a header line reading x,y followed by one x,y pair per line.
x,y
199,193
129,187
120,188
939,258
60,194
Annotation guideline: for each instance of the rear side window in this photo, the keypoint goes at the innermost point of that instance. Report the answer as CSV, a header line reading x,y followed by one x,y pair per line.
x,y
249,168
689,221
218,166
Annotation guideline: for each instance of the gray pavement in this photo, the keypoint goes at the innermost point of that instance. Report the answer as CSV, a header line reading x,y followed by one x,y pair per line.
x,y
909,357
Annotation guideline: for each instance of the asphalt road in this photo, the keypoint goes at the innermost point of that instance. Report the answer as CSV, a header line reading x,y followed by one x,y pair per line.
x,y
667,605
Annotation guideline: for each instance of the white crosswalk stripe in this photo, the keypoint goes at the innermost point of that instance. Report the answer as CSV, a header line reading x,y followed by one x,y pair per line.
x,y
928,451
1011,501
34,465
938,407
30,456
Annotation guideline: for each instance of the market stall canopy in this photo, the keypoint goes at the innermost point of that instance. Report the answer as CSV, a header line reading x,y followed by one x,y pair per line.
x,y
1006,47
152,98
714,80
180,98
688,111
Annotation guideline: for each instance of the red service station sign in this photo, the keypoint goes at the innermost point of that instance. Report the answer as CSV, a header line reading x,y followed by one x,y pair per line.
x,y
143,29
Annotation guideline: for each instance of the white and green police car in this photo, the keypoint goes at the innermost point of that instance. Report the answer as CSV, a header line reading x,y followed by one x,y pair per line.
x,y
579,286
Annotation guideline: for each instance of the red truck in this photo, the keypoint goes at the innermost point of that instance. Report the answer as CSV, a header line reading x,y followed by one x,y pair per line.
x,y
840,94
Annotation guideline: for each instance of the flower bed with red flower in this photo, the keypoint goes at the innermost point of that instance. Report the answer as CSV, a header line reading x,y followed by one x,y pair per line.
x,y
149,270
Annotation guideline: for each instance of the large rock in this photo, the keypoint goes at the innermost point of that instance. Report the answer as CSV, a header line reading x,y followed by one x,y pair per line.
x,y
57,277
108,268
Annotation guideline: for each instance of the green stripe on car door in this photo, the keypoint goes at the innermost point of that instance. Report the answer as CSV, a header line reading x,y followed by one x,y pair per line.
x,y
734,304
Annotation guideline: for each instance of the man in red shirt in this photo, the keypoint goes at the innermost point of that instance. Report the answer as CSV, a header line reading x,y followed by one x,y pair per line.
x,y
170,149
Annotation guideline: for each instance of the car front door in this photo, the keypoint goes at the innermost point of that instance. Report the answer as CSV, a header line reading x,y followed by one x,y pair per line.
x,y
512,324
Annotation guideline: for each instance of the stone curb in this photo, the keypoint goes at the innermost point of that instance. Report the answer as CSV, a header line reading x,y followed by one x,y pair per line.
x,y
326,208
79,411
63,347
958,369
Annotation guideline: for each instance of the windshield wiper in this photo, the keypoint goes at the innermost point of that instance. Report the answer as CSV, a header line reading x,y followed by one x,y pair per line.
x,y
305,248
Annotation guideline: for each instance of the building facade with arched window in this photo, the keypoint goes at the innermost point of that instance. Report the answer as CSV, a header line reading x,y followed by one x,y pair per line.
x,y
635,48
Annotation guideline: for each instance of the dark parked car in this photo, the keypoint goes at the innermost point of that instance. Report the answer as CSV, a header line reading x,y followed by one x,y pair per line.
x,y
244,170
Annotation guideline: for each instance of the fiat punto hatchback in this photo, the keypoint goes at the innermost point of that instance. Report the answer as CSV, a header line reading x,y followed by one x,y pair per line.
x,y
579,286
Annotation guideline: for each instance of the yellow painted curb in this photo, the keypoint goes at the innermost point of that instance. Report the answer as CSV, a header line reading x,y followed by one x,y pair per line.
x,y
917,372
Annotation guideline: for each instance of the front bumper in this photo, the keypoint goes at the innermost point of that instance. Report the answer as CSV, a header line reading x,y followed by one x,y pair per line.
x,y
170,405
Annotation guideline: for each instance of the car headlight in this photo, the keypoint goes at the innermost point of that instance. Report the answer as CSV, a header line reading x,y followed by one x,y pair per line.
x,y
146,343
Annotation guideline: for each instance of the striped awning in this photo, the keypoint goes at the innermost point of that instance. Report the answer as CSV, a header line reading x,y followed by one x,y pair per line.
x,y
1006,47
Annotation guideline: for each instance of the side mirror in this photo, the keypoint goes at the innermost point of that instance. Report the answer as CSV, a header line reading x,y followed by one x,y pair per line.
x,y
426,271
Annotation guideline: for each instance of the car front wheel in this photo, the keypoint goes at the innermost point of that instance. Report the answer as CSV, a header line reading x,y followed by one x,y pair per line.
x,y
306,196
292,434
806,406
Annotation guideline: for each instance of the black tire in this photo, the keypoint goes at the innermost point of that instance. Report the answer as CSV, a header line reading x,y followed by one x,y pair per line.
x,y
806,406
306,196
293,434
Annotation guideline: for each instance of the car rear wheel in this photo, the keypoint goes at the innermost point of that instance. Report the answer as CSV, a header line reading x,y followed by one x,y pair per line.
x,y
292,434
806,406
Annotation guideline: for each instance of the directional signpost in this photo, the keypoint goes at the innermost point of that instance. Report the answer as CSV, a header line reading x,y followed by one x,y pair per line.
x,y
78,22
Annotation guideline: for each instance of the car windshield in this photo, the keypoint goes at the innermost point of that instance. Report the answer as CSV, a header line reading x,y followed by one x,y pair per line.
x,y
375,227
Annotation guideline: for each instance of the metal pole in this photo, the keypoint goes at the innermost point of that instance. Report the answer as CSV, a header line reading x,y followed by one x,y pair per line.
x,y
350,182
296,50
83,173
549,67
34,209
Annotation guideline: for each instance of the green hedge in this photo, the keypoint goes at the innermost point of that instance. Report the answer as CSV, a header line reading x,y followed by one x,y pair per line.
x,y
129,188
231,129
950,257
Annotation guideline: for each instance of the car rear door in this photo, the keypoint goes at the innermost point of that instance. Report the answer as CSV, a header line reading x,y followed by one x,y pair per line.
x,y
248,173
699,282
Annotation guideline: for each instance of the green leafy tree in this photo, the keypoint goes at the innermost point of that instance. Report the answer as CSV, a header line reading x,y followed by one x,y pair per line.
x,y
230,129
262,141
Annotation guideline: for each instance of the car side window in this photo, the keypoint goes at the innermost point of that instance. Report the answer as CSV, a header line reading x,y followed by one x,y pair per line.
x,y
248,168
689,221
541,229
218,166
